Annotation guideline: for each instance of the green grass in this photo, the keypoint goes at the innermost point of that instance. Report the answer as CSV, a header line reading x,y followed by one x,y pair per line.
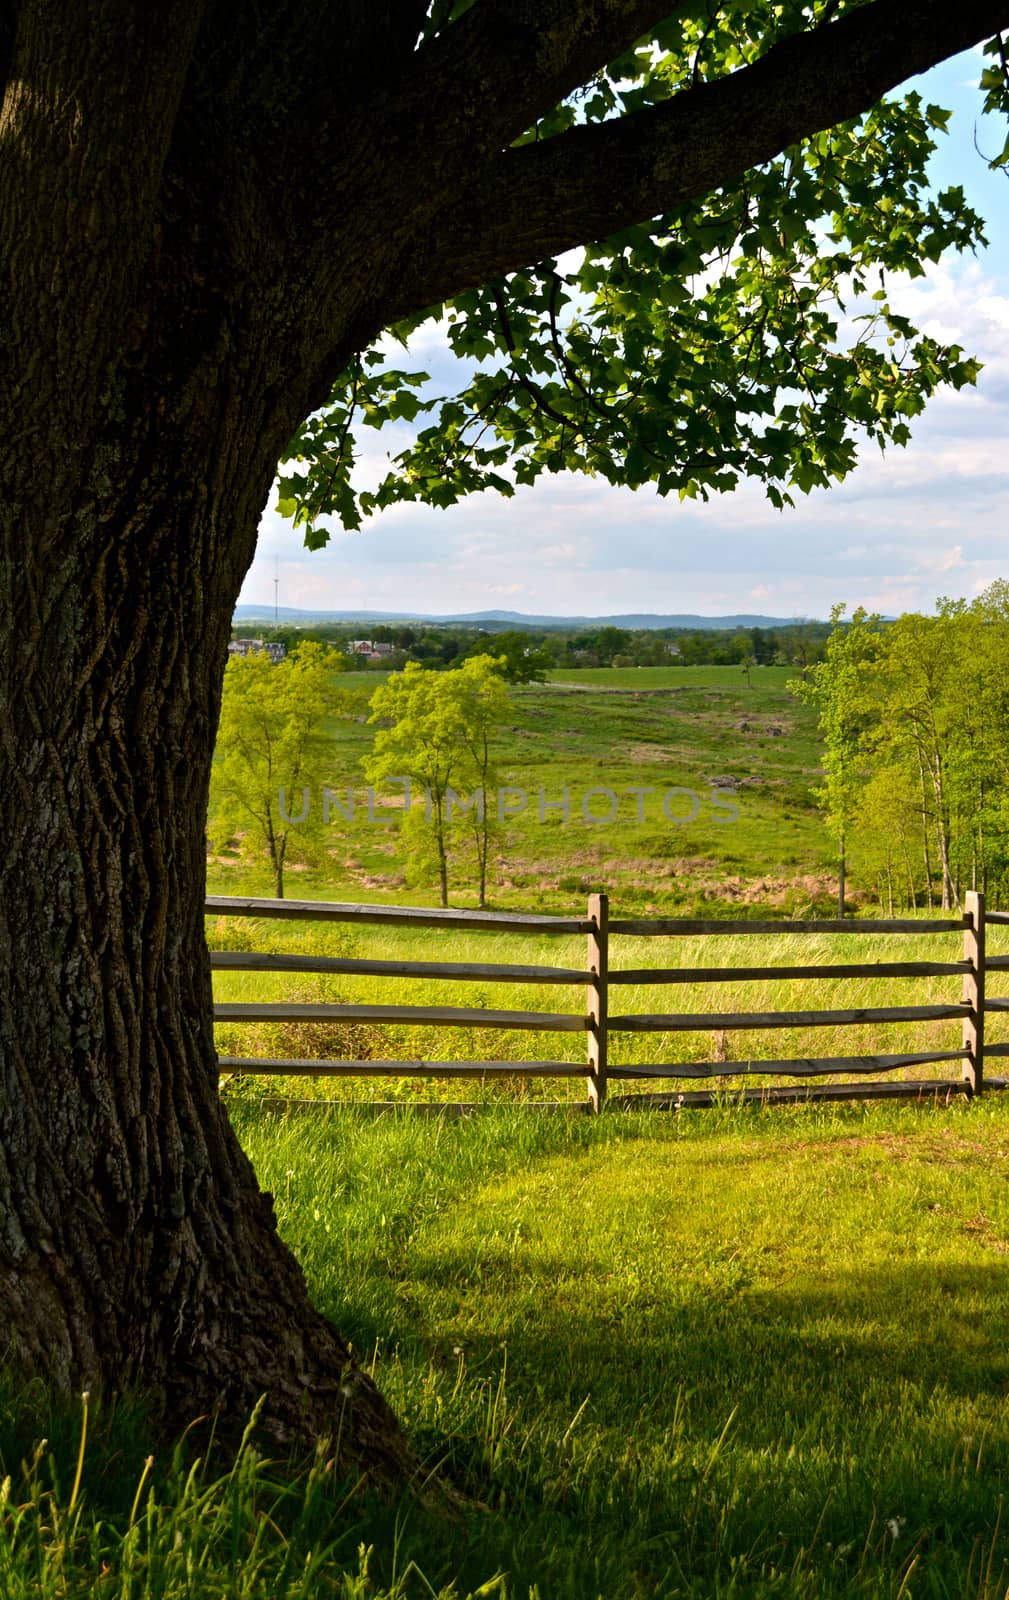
x,y
671,677
624,729
738,1354
651,728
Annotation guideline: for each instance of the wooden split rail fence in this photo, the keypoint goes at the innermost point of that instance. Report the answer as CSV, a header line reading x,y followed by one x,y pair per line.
x,y
873,1075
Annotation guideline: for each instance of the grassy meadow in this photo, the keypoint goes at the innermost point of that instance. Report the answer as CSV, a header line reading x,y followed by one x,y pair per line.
x,y
649,729
738,1353
639,733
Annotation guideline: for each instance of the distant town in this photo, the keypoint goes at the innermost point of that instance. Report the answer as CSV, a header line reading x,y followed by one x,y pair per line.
x,y
363,650
532,650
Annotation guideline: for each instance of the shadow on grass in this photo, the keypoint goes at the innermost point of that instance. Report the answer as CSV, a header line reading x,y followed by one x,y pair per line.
x,y
821,1438
936,1328
863,1411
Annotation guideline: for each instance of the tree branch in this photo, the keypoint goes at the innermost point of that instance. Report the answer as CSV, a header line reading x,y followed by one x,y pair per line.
x,y
459,101
535,201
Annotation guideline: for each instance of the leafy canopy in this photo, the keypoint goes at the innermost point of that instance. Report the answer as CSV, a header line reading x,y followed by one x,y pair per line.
x,y
519,659
914,717
431,725
750,333
843,688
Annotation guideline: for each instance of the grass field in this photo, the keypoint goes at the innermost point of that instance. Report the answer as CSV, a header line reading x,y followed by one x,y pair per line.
x,y
704,677
642,734
647,735
738,1354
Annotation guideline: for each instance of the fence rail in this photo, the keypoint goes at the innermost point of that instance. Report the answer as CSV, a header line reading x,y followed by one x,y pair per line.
x,y
596,1021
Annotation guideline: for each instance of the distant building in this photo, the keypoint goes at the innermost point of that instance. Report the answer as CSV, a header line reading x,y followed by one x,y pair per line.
x,y
370,650
258,647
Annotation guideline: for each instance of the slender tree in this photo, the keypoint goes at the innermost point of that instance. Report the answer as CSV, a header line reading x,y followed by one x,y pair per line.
x,y
209,213
842,687
980,690
435,728
915,740
918,710
273,758
885,830
485,706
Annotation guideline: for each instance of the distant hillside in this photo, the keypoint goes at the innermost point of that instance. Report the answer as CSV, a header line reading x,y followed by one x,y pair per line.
x,y
510,619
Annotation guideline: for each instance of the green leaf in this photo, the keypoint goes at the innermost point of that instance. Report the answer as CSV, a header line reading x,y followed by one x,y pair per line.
x,y
674,352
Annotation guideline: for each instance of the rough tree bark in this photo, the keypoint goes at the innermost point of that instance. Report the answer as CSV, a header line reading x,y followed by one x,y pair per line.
x,y
205,210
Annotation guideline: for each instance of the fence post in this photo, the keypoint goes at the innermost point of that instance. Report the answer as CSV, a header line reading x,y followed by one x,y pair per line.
x,y
973,991
598,998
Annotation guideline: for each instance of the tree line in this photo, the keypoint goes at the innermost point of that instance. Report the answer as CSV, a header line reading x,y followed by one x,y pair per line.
x,y
914,716
528,654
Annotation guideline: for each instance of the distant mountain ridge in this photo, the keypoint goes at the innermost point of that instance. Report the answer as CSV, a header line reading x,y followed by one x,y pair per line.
x,y
513,619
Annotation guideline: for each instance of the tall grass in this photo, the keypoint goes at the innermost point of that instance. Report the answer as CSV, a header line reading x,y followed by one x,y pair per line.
x,y
257,1530
434,1043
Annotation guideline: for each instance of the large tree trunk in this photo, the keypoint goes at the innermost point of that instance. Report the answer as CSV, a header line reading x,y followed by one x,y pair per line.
x,y
135,1245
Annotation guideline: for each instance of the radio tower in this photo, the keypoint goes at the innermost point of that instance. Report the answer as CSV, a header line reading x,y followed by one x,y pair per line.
x,y
276,590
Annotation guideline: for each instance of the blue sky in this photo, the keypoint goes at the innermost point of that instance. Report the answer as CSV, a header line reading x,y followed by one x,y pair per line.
x,y
904,528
